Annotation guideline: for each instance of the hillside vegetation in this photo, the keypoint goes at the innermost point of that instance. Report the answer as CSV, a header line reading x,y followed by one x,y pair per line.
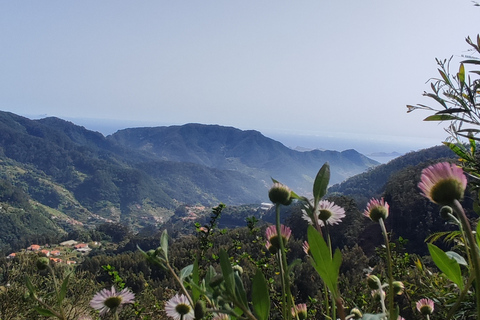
x,y
73,178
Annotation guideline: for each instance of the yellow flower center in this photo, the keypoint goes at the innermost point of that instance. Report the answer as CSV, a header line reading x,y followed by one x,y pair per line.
x,y
113,302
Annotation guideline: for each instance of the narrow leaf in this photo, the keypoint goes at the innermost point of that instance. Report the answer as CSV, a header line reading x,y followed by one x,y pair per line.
x,y
471,61
63,288
477,234
196,280
457,150
461,75
321,183
444,76
453,110
437,98
441,117
227,272
240,291
164,243
29,284
448,266
260,296
369,316
44,312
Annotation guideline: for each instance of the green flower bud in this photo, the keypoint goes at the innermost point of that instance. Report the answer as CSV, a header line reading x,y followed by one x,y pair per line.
x,y
42,263
445,212
357,314
280,194
200,309
238,269
373,282
398,287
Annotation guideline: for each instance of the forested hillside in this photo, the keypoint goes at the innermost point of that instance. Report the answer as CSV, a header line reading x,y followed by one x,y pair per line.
x,y
73,178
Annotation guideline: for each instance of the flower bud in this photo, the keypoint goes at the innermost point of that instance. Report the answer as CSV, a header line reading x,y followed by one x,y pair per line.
x,y
42,263
280,194
200,309
445,212
357,314
398,287
238,269
373,282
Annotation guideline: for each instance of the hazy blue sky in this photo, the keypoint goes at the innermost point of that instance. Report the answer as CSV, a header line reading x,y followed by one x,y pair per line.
x,y
338,68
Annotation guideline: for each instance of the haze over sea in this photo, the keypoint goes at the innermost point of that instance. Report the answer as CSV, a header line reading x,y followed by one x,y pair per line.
x,y
381,148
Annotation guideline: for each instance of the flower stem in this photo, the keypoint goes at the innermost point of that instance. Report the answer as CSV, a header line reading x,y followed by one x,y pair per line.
x,y
57,293
284,271
472,245
180,283
391,311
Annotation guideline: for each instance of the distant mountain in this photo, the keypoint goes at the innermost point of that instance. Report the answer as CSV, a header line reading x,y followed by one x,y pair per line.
x,y
69,177
247,152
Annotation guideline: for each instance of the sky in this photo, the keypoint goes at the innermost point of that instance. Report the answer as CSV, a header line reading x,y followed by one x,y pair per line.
x,y
311,70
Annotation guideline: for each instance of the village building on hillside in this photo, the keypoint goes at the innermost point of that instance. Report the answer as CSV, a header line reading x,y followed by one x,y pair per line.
x,y
34,247
68,243
55,253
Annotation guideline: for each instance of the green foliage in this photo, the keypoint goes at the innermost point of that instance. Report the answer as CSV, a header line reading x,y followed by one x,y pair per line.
x,y
447,265
260,296
328,267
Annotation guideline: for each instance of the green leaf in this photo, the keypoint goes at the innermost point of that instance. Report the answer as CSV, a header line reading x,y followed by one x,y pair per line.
x,y
45,312
29,284
441,117
444,76
196,280
461,75
448,266
327,268
164,243
477,234
321,183
460,260
227,272
437,98
240,291
471,61
459,151
369,316
63,288
453,110
473,145
185,272
260,296
211,273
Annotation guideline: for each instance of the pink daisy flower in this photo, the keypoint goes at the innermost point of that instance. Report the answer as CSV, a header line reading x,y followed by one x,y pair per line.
x,y
273,243
300,311
443,183
328,213
376,209
178,308
110,300
425,306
